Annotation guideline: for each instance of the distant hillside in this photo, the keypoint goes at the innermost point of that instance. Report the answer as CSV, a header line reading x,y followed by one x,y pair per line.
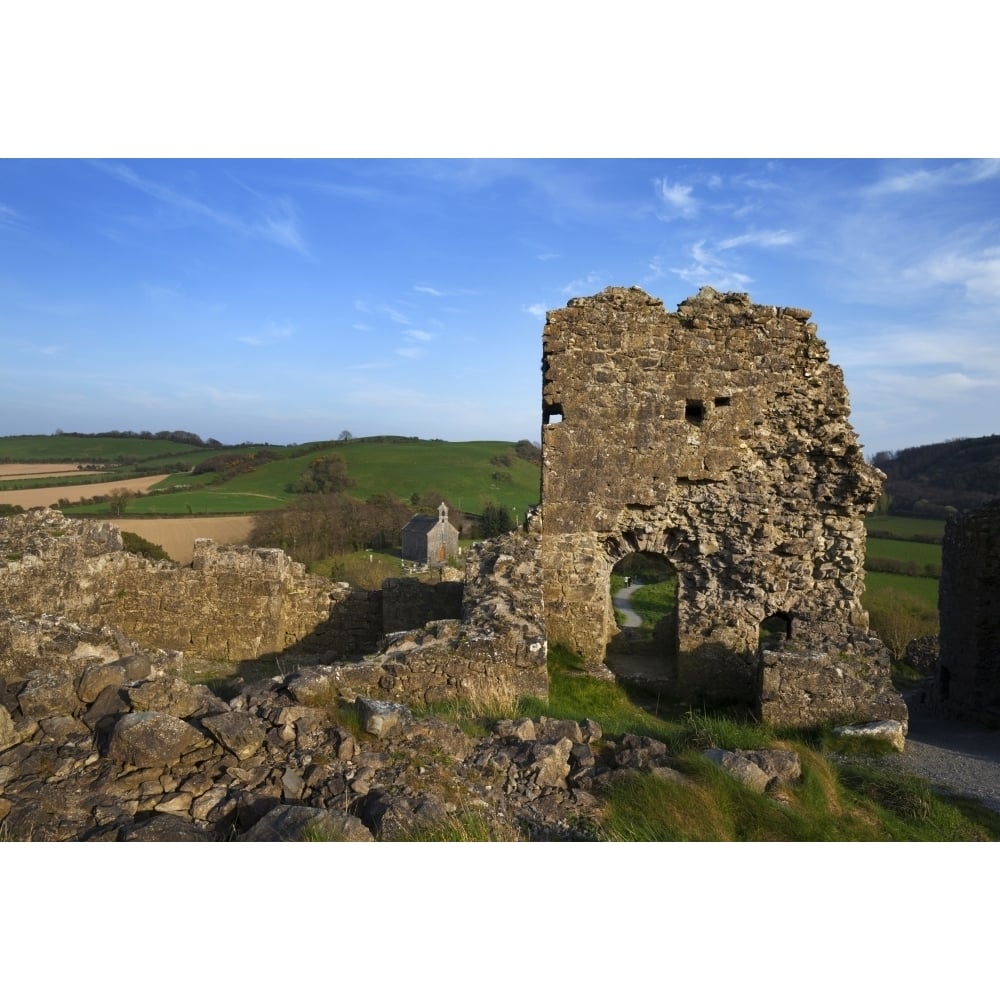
x,y
935,480
243,479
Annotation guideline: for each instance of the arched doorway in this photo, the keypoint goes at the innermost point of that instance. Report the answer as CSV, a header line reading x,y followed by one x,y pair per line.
x,y
775,629
644,646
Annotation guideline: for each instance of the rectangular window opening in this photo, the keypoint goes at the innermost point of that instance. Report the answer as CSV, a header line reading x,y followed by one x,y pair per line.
x,y
694,411
722,401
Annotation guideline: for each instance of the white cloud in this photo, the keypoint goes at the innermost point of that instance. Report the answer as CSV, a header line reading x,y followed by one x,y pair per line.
x,y
272,334
278,226
9,219
421,335
411,353
707,269
980,275
759,238
536,309
581,284
394,314
675,199
284,230
439,293
923,179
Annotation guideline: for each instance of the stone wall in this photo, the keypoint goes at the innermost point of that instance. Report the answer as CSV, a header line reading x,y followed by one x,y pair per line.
x,y
718,437
485,637
409,603
968,674
494,653
232,603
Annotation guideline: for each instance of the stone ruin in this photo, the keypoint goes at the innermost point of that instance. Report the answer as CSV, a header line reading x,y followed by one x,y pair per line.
x,y
967,681
718,438
715,438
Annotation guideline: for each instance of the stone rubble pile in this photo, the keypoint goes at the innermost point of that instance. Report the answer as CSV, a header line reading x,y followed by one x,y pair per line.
x,y
103,743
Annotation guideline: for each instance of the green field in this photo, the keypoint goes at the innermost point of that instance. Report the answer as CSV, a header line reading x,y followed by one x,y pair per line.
x,y
905,527
70,448
926,588
460,471
921,553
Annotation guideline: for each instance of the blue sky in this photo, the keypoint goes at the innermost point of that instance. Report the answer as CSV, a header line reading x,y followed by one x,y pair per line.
x,y
288,300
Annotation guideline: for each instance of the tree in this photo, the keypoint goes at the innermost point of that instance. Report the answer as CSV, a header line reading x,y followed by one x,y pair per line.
x,y
495,520
345,436
118,499
324,475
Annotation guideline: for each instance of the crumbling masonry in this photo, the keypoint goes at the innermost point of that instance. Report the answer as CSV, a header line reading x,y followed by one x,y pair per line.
x,y
717,437
968,673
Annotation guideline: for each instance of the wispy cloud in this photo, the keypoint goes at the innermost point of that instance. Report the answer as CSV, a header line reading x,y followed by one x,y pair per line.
x,y
9,219
419,335
442,293
581,284
394,314
272,334
707,269
978,274
759,238
410,353
923,179
278,225
675,199
536,309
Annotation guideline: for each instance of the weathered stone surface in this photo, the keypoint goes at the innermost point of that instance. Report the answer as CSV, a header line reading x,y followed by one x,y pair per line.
x,y
44,694
802,683
783,765
174,697
290,823
745,771
551,763
97,677
143,739
887,730
241,734
381,718
967,681
232,603
7,730
165,828
717,437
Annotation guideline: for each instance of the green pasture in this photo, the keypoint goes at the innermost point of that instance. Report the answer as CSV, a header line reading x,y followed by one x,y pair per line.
x,y
921,553
461,471
68,448
905,527
181,504
924,587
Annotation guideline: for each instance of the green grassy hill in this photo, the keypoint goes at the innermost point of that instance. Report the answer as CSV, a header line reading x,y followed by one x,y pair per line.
x,y
468,474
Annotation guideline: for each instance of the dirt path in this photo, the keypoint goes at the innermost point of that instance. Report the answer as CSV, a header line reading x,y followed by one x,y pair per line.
x,y
622,602
958,756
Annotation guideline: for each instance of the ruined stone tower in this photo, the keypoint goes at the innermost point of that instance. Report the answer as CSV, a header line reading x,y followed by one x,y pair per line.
x,y
968,673
717,437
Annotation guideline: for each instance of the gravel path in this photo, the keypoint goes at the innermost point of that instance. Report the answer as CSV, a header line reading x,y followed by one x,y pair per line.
x,y
623,603
955,756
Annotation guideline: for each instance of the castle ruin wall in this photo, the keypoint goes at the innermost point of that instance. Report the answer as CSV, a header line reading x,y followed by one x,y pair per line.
x,y
717,437
967,683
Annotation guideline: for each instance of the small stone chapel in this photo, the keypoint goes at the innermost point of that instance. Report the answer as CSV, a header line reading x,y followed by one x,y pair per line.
x,y
430,540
